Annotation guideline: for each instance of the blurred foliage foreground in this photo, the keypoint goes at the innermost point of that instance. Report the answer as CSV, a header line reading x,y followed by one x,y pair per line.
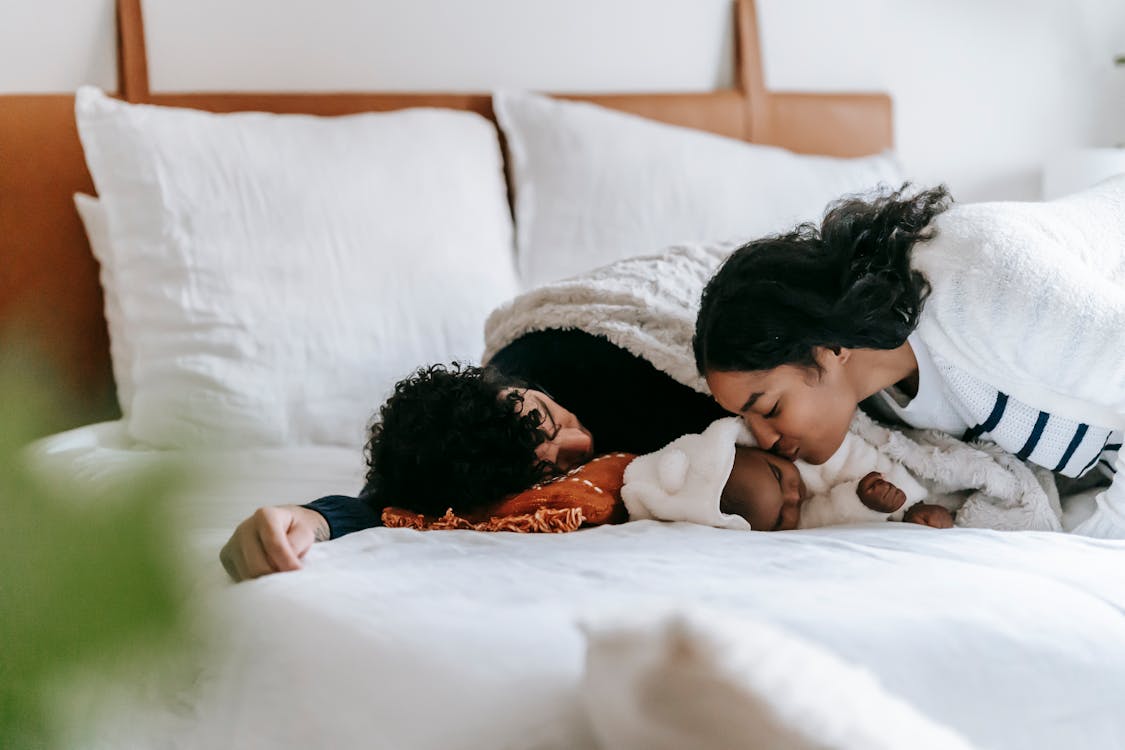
x,y
90,584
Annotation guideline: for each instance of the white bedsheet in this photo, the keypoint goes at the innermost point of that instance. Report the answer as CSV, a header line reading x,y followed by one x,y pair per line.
x,y
403,639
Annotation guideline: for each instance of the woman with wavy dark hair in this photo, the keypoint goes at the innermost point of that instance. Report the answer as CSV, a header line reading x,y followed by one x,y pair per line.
x,y
795,331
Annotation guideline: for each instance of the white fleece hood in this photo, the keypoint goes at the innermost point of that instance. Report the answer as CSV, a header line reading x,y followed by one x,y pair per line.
x,y
684,481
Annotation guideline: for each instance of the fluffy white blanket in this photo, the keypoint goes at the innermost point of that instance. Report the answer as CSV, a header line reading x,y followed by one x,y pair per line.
x,y
986,486
645,305
648,306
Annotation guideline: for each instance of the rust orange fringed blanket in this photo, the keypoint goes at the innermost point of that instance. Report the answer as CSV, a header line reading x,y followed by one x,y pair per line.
x,y
587,496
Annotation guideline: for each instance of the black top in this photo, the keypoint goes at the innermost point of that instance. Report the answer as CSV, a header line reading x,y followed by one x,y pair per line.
x,y
624,401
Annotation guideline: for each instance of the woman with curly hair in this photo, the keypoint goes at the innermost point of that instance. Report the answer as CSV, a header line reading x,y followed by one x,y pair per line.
x,y
980,321
461,437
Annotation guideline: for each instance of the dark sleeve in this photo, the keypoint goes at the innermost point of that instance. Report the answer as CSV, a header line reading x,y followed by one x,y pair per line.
x,y
345,514
626,403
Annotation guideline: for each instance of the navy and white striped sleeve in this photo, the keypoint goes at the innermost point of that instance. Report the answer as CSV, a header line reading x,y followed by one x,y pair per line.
x,y
1062,445
1107,460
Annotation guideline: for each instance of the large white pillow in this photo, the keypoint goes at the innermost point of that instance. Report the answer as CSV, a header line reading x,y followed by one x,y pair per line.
x,y
276,274
593,185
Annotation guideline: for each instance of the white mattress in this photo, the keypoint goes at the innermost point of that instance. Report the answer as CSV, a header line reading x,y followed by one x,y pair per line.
x,y
402,639
232,483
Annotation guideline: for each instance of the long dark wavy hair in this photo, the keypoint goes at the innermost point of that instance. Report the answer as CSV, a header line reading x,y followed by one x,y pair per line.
x,y
845,283
450,437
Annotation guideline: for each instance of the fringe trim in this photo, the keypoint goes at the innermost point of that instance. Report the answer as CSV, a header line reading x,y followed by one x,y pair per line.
x,y
543,521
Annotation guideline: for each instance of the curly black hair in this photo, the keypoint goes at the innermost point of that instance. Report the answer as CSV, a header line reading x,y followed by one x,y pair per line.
x,y
450,437
846,283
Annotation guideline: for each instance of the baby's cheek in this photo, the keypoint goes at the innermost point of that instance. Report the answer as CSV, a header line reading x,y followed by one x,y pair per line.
x,y
791,517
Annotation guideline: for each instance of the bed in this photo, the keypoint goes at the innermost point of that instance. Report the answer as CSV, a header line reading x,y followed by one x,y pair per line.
x,y
395,638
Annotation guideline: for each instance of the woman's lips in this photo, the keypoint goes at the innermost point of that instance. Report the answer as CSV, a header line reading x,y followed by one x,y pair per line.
x,y
787,449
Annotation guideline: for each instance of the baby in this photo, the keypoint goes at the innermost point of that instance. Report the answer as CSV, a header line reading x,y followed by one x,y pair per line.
x,y
696,478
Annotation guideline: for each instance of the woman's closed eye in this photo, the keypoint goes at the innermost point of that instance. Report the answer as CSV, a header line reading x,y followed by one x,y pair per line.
x,y
537,416
546,421
772,412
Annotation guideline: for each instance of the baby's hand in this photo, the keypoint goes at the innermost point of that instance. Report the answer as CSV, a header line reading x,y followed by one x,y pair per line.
x,y
880,495
929,515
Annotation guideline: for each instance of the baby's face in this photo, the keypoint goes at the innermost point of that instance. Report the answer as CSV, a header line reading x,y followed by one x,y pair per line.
x,y
765,489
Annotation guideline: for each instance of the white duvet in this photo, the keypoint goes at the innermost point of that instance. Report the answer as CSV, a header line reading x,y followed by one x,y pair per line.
x,y
403,639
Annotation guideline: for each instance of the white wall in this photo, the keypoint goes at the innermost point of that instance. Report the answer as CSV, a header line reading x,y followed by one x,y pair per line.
x,y
985,90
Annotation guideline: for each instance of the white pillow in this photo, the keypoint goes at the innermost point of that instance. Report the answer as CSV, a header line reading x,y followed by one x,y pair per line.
x,y
712,681
278,273
593,185
92,213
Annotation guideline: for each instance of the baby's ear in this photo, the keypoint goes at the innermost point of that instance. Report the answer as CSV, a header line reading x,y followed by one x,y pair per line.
x,y
672,470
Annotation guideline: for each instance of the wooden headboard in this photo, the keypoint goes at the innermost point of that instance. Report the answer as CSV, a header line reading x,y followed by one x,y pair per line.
x,y
49,279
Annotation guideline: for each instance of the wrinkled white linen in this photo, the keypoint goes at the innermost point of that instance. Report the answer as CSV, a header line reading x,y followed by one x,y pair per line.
x,y
1013,640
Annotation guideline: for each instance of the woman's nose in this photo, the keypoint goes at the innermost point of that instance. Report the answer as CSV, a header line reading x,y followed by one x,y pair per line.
x,y
574,447
765,435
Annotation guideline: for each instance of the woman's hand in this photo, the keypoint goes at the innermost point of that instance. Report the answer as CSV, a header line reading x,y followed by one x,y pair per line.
x,y
880,495
272,540
925,514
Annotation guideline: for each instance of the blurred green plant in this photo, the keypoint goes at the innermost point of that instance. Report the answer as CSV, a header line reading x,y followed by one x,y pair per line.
x,y
90,576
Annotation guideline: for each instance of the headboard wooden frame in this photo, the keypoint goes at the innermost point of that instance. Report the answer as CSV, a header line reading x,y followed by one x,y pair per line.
x,y
49,279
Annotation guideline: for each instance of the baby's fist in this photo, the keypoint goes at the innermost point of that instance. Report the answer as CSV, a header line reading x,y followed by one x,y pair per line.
x,y
880,495
925,514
